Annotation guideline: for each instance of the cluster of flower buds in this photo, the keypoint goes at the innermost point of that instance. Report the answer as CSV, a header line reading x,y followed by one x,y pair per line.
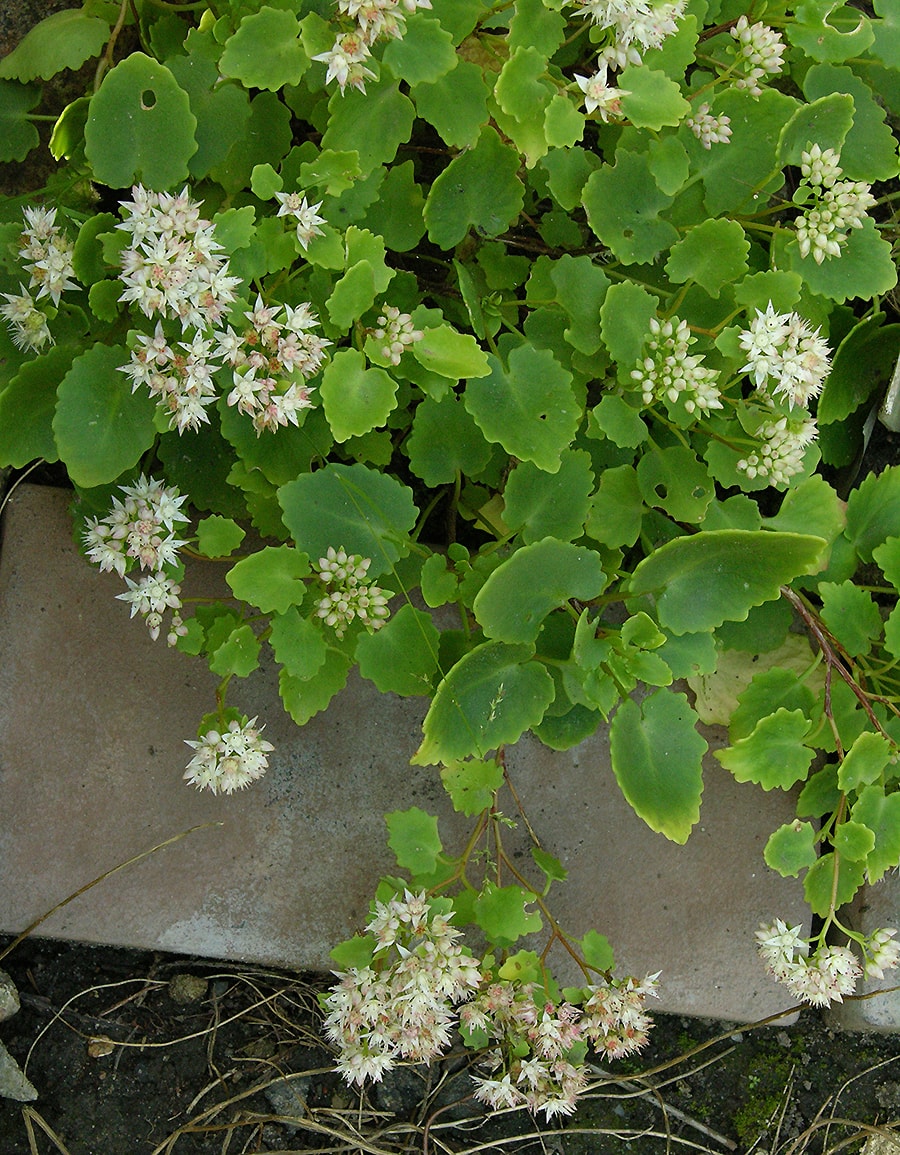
x,y
229,759
350,597
709,129
837,206
632,27
46,254
397,331
668,372
830,972
760,54
139,530
375,20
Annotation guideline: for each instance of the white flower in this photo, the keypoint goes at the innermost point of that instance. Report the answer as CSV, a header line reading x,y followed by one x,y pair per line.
x,y
306,215
350,598
760,53
396,329
139,528
28,325
709,129
881,953
150,596
838,206
600,96
229,760
780,453
345,62
669,373
782,347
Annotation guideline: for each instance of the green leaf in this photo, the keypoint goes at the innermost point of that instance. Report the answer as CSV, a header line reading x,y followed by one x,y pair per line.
x,y
401,657
624,206
617,508
222,112
423,54
366,512
18,136
563,123
812,506
825,122
864,269
853,840
445,442
778,286
501,913
669,163
537,25
238,654
774,754
625,322
550,505
653,101
297,644
304,697
490,698
264,138
716,576
619,421
864,762
414,839
520,593
864,359
478,189
374,123
529,408
873,511
472,785
551,867
851,616
769,690
674,480
271,578
821,794
713,254
450,354
869,151
356,399
27,406
657,758
848,34
881,813
266,51
439,585
567,170
354,952
818,886
597,952
218,536
101,427
791,848
397,213
60,41
580,288
140,127
456,104
520,90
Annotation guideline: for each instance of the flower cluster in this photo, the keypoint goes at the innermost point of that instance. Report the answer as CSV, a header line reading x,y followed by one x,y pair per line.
x,y
296,205
180,379
173,267
375,20
760,53
140,529
789,363
350,598
837,205
614,1017
401,1006
46,253
668,372
632,26
709,129
830,972
230,759
397,331
270,361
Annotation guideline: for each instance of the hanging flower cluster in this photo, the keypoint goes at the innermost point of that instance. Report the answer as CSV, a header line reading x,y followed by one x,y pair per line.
x,y
46,254
789,364
351,597
403,1004
140,530
836,207
830,972
230,759
669,373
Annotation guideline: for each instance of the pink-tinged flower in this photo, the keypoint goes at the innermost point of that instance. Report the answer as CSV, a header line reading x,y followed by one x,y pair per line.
x,y
345,62
229,760
600,96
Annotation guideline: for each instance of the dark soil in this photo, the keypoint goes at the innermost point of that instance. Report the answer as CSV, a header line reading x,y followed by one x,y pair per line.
x,y
124,1068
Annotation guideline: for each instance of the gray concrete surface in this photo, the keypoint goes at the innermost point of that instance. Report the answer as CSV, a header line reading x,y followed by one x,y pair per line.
x,y
93,717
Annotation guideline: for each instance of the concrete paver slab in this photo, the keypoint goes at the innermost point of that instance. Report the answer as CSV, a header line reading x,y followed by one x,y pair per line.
x,y
873,907
92,721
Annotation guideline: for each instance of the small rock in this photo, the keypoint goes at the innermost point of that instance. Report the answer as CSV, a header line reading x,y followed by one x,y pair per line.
x,y
100,1047
402,1089
13,1084
783,1039
287,1097
9,997
184,989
